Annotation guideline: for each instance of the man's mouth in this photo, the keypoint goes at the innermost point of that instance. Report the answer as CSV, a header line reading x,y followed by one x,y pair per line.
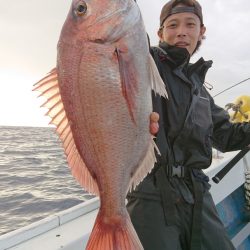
x,y
181,44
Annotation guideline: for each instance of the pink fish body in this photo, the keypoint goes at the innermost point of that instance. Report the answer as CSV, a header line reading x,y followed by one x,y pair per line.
x,y
99,98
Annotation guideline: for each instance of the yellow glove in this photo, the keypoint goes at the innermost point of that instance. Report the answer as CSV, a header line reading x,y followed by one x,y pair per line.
x,y
237,118
246,117
244,103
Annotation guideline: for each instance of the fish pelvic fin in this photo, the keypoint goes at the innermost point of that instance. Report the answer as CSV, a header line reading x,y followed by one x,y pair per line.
x,y
49,88
115,233
145,165
157,83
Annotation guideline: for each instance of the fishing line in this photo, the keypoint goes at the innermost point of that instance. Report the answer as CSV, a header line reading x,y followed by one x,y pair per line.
x,y
231,87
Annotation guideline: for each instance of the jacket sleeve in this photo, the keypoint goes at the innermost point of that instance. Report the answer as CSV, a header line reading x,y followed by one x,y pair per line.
x,y
228,136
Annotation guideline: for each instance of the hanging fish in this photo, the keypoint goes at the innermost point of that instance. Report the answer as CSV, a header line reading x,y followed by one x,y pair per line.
x,y
99,99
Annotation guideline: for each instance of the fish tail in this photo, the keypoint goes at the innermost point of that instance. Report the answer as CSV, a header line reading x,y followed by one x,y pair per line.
x,y
115,233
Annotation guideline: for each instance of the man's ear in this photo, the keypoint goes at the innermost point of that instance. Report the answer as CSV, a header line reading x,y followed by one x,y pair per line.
x,y
202,32
160,35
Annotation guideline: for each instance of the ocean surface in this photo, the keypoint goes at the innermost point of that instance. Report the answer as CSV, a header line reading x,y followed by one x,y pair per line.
x,y
35,181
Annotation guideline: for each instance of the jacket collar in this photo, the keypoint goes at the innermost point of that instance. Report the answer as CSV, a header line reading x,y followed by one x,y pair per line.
x,y
179,58
200,69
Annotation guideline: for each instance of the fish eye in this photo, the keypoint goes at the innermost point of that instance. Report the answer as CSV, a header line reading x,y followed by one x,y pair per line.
x,y
81,9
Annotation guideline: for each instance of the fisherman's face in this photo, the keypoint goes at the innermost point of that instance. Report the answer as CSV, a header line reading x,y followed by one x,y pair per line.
x,y
182,30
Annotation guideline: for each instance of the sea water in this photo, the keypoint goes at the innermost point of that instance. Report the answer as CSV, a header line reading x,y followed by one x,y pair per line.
x,y
35,180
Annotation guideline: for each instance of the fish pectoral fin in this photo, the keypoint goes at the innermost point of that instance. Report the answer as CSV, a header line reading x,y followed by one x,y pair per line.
x,y
128,81
49,88
157,83
145,166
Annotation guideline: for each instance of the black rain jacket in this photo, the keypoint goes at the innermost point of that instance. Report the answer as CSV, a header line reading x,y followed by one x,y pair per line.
x,y
189,129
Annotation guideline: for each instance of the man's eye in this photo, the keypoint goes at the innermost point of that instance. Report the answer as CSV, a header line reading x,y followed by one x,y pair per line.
x,y
191,24
172,25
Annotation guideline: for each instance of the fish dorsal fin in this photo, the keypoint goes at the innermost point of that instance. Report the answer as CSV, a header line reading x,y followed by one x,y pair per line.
x,y
157,83
145,165
49,88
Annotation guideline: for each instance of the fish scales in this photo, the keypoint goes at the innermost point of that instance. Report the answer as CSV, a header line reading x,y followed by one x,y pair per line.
x,y
111,138
104,77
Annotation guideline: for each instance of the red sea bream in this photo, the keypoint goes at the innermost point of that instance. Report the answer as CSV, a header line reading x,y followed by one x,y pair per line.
x,y
99,99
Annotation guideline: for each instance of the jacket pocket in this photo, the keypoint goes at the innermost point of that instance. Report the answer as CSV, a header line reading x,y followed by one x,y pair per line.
x,y
202,113
203,124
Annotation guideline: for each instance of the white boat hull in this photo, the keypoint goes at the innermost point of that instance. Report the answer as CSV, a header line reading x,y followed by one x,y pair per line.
x,y
70,229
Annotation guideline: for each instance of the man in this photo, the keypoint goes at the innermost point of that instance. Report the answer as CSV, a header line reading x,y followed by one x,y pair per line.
x,y
172,208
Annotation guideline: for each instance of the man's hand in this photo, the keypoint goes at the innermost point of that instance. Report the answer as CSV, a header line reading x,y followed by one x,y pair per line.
x,y
154,125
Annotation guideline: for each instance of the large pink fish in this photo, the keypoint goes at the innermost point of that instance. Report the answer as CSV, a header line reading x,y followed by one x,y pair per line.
x,y
99,98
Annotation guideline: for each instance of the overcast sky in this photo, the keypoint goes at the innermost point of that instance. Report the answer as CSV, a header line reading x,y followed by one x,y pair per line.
x,y
29,31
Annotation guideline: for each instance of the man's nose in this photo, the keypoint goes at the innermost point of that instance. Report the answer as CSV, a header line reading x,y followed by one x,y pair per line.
x,y
182,31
